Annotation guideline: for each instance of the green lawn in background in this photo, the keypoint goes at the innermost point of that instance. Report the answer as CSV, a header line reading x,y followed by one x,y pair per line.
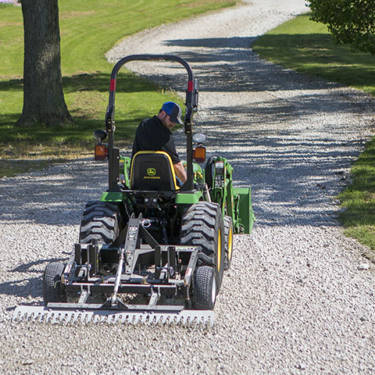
x,y
88,30
307,47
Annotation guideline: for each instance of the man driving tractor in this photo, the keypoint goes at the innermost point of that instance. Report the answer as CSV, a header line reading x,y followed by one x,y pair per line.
x,y
154,134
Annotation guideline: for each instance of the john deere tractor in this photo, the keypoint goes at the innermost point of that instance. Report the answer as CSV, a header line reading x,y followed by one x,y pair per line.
x,y
148,249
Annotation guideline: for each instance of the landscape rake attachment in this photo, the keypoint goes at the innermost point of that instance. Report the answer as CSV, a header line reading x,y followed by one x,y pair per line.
x,y
151,271
149,251
56,314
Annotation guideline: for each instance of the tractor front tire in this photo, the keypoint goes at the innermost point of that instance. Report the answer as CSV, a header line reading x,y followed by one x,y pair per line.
x,y
202,226
52,288
228,235
100,222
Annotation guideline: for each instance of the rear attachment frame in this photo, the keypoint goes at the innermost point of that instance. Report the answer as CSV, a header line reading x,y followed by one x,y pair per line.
x,y
82,277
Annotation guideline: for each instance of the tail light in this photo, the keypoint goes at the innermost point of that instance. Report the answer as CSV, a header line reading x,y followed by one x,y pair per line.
x,y
199,154
101,151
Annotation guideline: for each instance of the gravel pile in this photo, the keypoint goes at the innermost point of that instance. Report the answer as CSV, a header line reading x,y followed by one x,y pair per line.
x,y
299,297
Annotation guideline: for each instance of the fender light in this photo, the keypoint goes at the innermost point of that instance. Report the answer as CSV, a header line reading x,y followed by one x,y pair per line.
x,y
101,152
101,149
199,154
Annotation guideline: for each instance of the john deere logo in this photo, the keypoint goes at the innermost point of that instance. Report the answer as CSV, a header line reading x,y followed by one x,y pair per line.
x,y
151,171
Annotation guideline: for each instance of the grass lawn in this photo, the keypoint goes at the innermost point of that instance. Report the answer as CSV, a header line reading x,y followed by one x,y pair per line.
x,y
88,30
307,47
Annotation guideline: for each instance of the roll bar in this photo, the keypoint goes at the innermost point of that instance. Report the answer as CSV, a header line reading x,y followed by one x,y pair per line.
x,y
191,106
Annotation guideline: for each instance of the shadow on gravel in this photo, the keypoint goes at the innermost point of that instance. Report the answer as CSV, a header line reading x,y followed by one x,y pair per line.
x,y
28,286
55,197
23,287
231,66
28,267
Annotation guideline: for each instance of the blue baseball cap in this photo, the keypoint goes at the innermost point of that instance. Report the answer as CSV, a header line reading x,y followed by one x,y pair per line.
x,y
173,110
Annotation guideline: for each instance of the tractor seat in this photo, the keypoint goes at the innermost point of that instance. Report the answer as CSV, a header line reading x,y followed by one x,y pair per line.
x,y
152,171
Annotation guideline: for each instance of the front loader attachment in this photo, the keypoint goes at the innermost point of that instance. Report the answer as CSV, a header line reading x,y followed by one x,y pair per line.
x,y
243,204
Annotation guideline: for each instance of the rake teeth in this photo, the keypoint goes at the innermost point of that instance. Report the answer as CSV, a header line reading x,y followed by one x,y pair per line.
x,y
46,315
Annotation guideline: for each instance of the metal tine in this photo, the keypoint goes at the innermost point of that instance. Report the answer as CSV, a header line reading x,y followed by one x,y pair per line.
x,y
68,317
164,318
75,316
136,318
154,319
35,316
184,319
65,317
119,317
200,320
124,319
173,319
112,319
96,318
83,317
103,318
55,318
42,316
130,319
45,315
88,317
17,315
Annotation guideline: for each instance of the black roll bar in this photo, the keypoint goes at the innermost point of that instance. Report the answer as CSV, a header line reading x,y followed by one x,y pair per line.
x,y
191,106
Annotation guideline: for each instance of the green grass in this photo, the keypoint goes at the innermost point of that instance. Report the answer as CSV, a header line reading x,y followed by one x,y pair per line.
x,y
307,47
358,199
88,30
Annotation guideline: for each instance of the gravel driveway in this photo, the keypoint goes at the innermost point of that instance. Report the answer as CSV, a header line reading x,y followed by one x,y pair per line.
x,y
299,297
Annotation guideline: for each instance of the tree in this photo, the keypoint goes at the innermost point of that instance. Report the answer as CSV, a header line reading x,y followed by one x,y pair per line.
x,y
350,21
43,100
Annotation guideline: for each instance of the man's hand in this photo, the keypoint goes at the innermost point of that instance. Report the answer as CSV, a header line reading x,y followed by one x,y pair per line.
x,y
180,172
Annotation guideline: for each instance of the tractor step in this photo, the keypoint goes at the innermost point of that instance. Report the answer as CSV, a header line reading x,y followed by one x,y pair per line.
x,y
45,314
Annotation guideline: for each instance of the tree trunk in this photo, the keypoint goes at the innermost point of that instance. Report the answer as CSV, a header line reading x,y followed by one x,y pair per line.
x,y
43,98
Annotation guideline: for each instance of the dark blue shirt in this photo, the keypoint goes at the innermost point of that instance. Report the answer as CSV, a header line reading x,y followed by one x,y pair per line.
x,y
152,135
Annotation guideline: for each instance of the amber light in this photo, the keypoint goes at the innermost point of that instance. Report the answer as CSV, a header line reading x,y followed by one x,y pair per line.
x,y
199,154
101,152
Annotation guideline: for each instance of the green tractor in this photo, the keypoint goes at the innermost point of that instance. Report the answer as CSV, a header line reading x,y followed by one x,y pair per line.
x,y
150,250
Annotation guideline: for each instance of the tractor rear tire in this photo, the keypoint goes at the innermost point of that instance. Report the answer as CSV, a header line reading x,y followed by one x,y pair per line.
x,y
100,222
52,289
205,292
228,234
202,226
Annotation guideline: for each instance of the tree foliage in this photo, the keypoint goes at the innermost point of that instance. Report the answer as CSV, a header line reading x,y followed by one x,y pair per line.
x,y
350,21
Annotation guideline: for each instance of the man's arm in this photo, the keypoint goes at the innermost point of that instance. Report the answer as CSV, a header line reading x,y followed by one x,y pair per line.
x,y
180,172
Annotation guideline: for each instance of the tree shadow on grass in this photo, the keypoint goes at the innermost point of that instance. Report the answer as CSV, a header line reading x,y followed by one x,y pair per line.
x,y
126,82
99,81
85,120
319,54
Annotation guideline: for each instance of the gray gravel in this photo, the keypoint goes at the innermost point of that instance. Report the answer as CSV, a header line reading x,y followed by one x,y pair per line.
x,y
299,297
